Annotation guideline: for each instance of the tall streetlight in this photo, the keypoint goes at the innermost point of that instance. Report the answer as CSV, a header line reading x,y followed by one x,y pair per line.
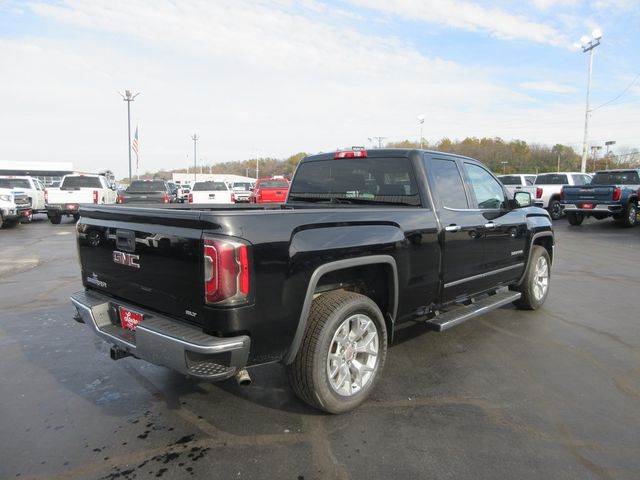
x,y
421,122
195,138
588,44
128,97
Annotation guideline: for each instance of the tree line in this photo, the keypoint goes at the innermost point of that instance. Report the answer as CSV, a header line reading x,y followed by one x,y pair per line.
x,y
502,157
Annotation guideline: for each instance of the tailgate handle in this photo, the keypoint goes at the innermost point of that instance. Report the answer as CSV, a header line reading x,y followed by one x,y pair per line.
x,y
126,240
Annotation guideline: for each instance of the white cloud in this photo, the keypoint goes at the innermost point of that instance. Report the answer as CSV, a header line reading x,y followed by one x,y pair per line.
x,y
546,4
469,16
550,87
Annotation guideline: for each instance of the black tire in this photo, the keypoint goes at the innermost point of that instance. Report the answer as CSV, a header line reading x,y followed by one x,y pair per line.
x,y
630,217
76,217
308,374
11,223
575,218
531,298
56,218
554,209
1,221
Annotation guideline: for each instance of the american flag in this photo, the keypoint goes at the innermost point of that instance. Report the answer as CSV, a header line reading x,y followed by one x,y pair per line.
x,y
135,147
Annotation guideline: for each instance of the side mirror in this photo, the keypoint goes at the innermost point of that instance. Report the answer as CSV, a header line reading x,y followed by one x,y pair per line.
x,y
522,199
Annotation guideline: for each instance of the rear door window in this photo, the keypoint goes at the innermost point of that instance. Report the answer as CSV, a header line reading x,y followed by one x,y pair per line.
x,y
447,183
552,179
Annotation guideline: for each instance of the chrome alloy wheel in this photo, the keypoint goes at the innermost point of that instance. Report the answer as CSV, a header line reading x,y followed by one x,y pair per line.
x,y
353,355
541,279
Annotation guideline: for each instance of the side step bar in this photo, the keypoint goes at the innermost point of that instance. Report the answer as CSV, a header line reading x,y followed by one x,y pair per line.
x,y
462,314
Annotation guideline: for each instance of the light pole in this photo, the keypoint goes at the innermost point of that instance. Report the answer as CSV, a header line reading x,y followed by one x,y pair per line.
x,y
588,44
128,97
195,138
421,122
504,167
608,144
594,154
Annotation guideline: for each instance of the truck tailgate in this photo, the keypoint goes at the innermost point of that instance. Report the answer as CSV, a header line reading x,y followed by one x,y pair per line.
x,y
144,258
592,194
58,196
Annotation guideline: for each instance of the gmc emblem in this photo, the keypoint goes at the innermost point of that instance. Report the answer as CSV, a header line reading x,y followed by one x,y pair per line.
x,y
128,259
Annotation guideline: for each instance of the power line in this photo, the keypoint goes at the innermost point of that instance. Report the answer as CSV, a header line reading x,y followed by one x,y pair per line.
x,y
621,93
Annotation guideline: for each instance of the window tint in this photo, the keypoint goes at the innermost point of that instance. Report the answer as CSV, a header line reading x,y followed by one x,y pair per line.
x,y
272,184
552,179
80,181
362,180
14,183
510,179
209,186
487,190
616,178
142,186
447,183
578,180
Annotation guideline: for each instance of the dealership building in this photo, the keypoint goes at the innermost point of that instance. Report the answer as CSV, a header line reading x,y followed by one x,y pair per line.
x,y
46,172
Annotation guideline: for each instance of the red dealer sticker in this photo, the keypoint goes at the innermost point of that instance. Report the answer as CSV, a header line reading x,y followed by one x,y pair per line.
x,y
128,318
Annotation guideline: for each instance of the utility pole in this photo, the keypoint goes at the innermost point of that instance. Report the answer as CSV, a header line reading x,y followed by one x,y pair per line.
x,y
421,121
588,44
378,139
594,154
128,97
195,138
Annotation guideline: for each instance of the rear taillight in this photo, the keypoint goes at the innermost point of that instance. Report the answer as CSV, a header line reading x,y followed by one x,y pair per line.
x,y
95,196
539,192
226,272
120,198
617,193
351,154
165,198
562,194
233,197
191,198
46,196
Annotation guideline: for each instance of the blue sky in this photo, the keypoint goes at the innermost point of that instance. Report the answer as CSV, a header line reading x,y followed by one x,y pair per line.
x,y
275,77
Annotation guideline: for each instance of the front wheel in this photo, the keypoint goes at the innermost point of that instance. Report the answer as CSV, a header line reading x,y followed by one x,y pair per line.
x,y
342,353
535,286
575,218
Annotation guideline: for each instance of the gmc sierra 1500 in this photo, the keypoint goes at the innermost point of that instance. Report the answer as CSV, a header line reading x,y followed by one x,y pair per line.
x,y
365,242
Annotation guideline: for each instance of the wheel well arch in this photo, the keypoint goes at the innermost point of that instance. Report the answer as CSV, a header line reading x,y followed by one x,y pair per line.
x,y
545,241
374,276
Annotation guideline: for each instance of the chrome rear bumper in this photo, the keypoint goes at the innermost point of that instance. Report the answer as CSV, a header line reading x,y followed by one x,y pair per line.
x,y
164,341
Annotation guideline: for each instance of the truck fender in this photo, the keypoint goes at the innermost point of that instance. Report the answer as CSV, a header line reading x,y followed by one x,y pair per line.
x,y
533,242
330,267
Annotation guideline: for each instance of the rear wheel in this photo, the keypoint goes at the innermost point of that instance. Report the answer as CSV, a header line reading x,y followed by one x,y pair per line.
x,y
555,209
55,218
76,217
535,286
575,218
630,217
342,352
11,223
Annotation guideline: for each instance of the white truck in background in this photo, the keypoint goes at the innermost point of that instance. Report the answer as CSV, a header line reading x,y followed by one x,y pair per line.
x,y
211,192
31,186
76,190
519,182
15,207
549,186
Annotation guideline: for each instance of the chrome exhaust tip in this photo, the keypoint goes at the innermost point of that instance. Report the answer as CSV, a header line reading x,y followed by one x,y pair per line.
x,y
243,378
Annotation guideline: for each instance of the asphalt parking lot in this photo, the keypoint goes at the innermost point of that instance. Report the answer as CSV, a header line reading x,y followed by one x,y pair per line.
x,y
547,394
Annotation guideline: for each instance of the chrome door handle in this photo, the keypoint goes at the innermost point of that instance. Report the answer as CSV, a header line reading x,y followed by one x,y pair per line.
x,y
453,228
490,226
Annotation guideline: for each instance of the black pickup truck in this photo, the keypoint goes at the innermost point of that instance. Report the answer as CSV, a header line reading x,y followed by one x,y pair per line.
x,y
149,191
366,241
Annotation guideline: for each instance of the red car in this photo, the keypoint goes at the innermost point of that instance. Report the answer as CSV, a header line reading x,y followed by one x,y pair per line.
x,y
270,190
